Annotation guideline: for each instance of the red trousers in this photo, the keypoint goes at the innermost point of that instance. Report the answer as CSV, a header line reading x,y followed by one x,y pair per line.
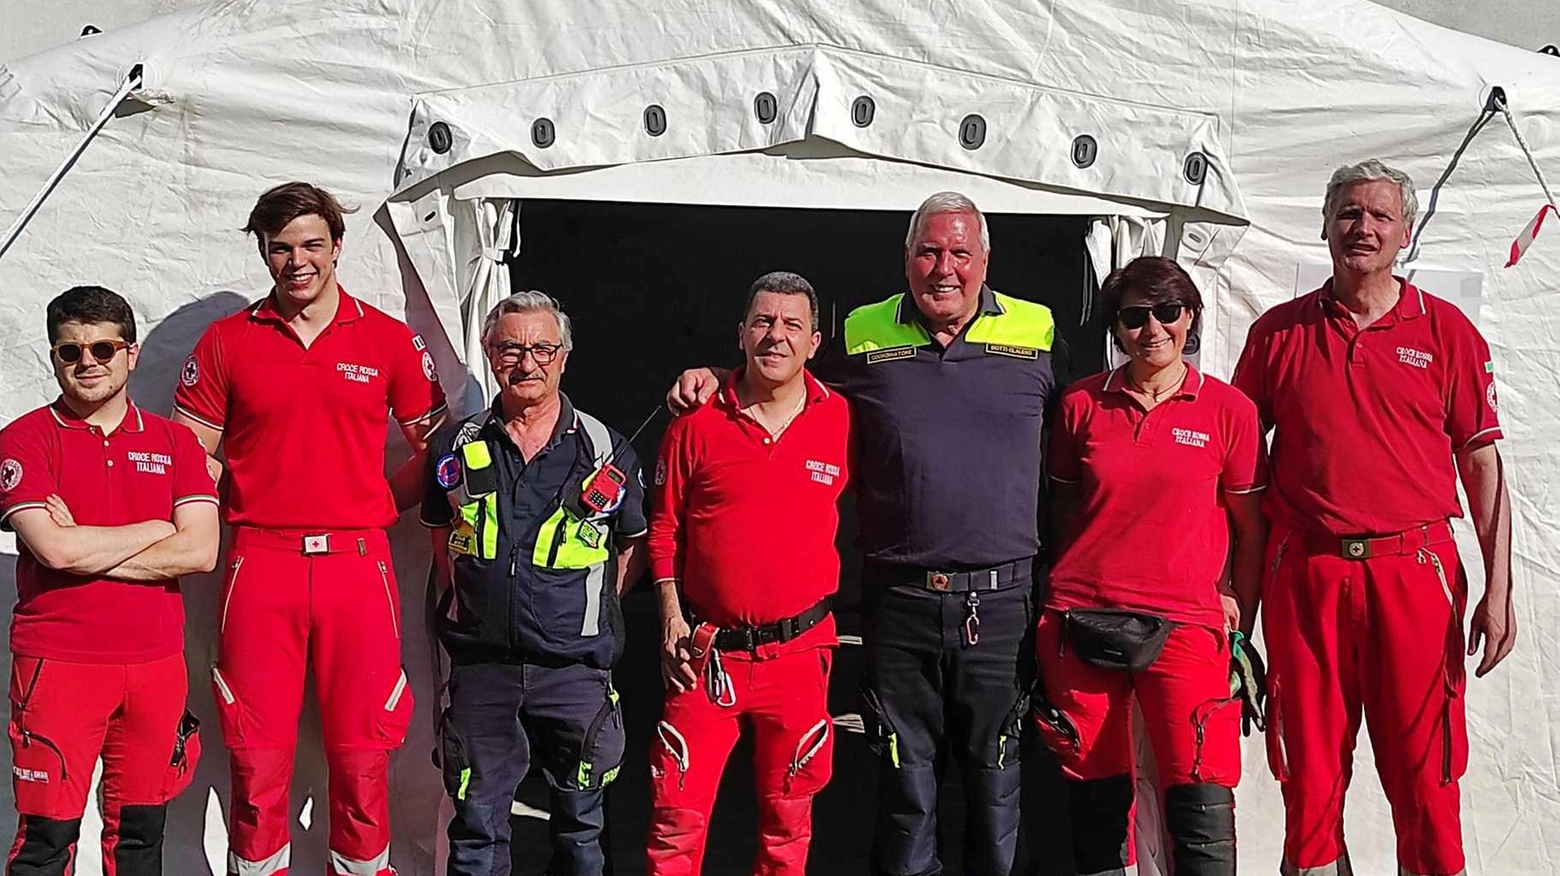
x,y
1193,727
1382,636
337,609
785,700
63,717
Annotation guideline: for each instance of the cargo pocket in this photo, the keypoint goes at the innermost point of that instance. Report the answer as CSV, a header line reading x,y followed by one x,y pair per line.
x,y
882,738
601,754
396,716
1277,755
1056,730
669,763
38,771
451,758
186,756
229,711
812,761
1012,730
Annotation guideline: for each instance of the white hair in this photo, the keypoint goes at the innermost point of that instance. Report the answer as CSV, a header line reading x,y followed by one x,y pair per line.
x,y
530,302
1369,170
946,202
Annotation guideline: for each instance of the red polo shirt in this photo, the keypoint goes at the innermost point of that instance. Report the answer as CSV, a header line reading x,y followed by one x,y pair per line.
x,y
1366,422
141,471
304,427
748,522
1151,531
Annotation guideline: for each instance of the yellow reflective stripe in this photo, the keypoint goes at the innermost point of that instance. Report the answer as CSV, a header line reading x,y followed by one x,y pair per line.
x,y
876,327
489,528
1021,324
560,544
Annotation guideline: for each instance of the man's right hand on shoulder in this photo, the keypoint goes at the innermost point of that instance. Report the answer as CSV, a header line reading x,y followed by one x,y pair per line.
x,y
693,388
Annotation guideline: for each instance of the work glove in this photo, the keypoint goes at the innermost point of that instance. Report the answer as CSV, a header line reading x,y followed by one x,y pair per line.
x,y
1248,683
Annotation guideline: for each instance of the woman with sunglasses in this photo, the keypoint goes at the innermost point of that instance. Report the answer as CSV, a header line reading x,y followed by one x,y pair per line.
x,y
1154,464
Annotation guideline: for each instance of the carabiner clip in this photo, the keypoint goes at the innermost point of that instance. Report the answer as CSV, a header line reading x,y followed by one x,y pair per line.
x,y
971,620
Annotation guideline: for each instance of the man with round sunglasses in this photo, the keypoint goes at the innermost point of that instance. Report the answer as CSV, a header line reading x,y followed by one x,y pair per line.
x,y
1151,463
1380,397
110,505
949,385
298,390
536,509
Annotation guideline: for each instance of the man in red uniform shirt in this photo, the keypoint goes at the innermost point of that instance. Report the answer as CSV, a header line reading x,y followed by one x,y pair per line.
x,y
1380,397
742,551
110,505
297,390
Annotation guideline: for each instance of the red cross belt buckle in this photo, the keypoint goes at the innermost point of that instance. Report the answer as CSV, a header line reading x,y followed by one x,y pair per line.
x,y
937,580
316,544
1356,548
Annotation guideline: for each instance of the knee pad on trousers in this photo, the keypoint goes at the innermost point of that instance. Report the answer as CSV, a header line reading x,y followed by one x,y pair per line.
x,y
139,849
43,847
1201,819
1101,821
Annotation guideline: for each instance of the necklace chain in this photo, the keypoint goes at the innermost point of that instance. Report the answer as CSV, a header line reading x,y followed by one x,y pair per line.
x,y
1156,396
775,433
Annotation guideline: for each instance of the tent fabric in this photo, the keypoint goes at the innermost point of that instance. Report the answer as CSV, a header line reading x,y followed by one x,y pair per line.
x,y
241,94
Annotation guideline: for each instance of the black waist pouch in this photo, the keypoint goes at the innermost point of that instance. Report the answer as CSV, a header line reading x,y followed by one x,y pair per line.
x,y
1123,641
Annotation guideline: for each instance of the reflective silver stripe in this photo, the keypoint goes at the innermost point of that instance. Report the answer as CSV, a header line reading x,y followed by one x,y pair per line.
x,y
1339,867
342,865
276,863
222,688
228,600
600,439
395,694
595,580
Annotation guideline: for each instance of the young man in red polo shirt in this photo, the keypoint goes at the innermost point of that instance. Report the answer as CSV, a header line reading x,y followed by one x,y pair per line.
x,y
110,505
297,390
1380,397
742,551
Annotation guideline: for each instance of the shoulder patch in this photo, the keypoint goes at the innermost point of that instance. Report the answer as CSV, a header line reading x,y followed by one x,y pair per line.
x,y
447,471
467,433
430,371
1013,351
890,354
660,473
10,474
417,343
189,375
1489,396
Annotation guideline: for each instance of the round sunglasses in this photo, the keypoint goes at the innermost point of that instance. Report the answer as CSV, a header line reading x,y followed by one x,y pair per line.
x,y
70,352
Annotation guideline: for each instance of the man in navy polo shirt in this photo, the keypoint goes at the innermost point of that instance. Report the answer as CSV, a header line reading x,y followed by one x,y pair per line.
x,y
537,512
949,385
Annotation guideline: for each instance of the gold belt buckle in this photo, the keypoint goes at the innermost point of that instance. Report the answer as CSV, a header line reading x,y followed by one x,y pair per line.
x,y
937,581
1356,548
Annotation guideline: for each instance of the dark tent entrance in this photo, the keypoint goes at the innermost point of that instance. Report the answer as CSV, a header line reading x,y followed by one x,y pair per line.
x,y
657,288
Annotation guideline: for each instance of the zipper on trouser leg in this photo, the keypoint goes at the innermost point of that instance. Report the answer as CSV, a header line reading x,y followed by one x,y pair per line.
x,y
1424,554
807,748
228,601
384,578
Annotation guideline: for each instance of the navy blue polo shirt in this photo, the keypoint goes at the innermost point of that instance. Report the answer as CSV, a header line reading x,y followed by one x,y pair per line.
x,y
948,455
508,609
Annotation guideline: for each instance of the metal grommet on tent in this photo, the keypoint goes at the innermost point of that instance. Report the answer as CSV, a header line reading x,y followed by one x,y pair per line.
x,y
972,131
542,132
1195,168
90,30
1084,150
862,109
439,137
655,120
766,107
1550,49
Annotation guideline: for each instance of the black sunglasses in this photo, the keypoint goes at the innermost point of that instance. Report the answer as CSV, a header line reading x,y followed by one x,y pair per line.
x,y
70,352
1137,317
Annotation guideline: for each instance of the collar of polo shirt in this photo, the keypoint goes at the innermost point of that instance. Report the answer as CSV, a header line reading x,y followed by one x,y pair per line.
x,y
67,418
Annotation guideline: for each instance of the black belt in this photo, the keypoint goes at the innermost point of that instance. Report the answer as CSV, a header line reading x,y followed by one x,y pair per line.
x,y
1018,572
783,630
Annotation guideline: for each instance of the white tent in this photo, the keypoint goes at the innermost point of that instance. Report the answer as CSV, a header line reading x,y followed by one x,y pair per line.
x,y
1214,126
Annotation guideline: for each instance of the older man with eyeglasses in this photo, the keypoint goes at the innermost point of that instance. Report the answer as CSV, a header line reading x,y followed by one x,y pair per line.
x,y
537,513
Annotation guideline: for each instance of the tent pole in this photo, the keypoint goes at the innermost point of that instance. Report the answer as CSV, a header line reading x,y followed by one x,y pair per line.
x,y
131,83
